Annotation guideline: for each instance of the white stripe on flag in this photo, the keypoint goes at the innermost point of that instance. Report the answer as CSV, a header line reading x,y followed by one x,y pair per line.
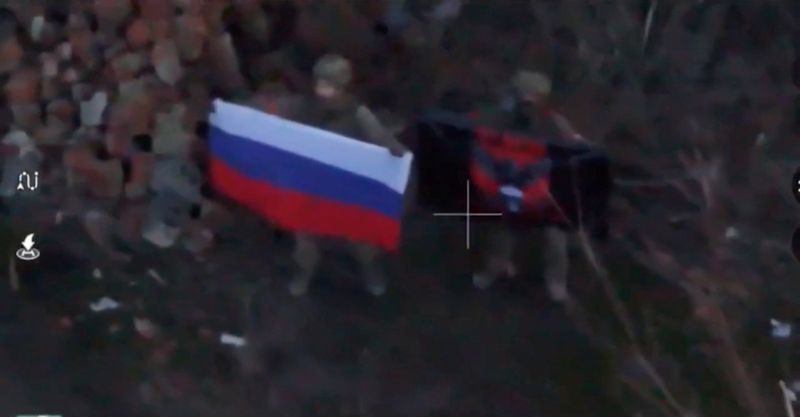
x,y
360,158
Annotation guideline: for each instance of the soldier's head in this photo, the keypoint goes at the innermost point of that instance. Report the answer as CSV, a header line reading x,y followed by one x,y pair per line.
x,y
531,87
332,75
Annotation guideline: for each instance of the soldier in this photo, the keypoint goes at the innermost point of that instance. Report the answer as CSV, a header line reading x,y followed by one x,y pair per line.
x,y
527,110
333,108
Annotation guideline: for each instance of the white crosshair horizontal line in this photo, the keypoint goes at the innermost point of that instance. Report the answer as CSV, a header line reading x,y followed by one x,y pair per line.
x,y
468,214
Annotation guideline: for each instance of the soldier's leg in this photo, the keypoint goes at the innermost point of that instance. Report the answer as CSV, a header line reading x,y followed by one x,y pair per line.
x,y
368,258
306,257
556,263
499,257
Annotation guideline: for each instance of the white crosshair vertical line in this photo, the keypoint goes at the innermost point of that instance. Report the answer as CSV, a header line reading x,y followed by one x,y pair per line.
x,y
468,214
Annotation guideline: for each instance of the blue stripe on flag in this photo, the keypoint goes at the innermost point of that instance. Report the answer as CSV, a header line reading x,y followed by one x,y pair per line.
x,y
290,171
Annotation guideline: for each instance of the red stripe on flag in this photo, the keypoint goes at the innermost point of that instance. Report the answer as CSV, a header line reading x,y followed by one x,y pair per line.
x,y
483,181
504,146
538,193
304,213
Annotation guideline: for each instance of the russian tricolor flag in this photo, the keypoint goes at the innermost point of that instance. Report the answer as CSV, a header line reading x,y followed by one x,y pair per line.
x,y
305,179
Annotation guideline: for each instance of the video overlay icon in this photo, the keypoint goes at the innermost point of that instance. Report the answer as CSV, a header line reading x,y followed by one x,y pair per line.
x,y
27,252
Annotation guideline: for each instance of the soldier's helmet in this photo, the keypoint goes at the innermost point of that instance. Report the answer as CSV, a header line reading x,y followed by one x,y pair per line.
x,y
334,70
531,84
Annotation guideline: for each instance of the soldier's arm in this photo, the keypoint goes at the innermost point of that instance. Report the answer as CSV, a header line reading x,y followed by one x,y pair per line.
x,y
376,133
288,107
566,128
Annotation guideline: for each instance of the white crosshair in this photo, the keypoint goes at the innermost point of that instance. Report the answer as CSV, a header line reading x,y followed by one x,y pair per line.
x,y
468,215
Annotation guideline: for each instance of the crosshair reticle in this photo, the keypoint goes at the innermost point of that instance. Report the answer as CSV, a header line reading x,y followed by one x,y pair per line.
x,y
468,215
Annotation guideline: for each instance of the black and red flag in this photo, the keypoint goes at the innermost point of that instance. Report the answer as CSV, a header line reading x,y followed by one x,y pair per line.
x,y
532,181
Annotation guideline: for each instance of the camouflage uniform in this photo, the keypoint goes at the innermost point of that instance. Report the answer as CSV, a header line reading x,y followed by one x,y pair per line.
x,y
530,88
335,110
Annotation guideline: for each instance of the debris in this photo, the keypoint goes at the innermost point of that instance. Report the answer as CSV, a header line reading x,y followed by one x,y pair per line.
x,y
111,14
155,275
789,398
97,274
146,328
177,176
128,65
229,339
198,240
780,329
166,62
59,217
160,234
142,165
49,65
21,140
10,55
23,87
131,90
64,51
191,36
92,110
27,116
37,26
99,227
170,137
648,26
761,139
153,10
138,34
104,304
131,221
732,233
106,178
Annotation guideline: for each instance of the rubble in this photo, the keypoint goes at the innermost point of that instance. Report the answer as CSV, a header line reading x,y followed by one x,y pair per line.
x,y
37,27
167,62
167,214
10,54
198,239
111,14
92,110
780,330
178,177
23,87
142,165
104,304
157,277
138,34
50,63
145,328
232,340
191,36
170,137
